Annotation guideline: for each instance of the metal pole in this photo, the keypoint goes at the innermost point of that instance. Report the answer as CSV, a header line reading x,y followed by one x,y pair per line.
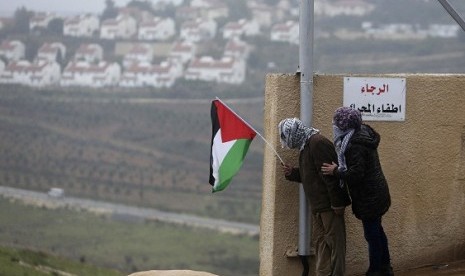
x,y
453,13
306,23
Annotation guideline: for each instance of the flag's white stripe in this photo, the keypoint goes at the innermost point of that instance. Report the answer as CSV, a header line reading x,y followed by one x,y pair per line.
x,y
219,151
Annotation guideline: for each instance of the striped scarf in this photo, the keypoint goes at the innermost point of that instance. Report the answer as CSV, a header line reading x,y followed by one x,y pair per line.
x,y
341,140
294,134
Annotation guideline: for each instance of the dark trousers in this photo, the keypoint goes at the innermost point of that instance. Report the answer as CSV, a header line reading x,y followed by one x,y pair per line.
x,y
378,249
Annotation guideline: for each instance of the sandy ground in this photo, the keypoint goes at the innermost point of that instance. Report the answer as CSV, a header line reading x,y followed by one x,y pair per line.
x,y
449,269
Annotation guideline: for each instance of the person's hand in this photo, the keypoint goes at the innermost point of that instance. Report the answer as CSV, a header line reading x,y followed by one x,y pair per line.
x,y
287,169
328,169
339,211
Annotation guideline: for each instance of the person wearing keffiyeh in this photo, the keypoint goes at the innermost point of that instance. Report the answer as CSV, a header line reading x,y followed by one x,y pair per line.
x,y
326,198
360,170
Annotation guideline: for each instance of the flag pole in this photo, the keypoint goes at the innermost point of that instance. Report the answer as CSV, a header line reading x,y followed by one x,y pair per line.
x,y
258,133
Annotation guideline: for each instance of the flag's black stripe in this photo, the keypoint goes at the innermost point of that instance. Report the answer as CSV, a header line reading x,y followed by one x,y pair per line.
x,y
215,129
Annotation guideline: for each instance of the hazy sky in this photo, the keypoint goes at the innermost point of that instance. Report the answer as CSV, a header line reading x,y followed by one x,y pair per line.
x,y
58,6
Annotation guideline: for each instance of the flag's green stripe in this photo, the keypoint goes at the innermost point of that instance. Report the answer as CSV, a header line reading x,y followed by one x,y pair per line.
x,y
232,162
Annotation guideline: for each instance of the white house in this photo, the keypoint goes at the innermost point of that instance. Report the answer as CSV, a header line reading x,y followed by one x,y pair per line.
x,y
89,53
41,20
121,27
51,51
205,3
138,14
183,51
398,31
226,70
443,30
240,28
185,13
237,48
38,74
212,8
154,75
159,4
263,14
343,7
82,73
157,29
285,32
198,30
12,50
81,26
141,52
408,31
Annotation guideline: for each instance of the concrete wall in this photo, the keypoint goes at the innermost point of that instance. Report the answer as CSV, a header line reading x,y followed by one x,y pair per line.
x,y
423,159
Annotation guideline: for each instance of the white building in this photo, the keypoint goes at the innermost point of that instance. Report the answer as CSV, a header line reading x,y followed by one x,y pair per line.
x,y
153,75
40,73
263,14
240,28
183,51
212,8
408,31
185,13
226,70
12,50
82,73
123,27
41,20
443,30
343,7
398,31
285,32
198,30
51,51
237,48
157,29
141,52
89,53
81,26
159,4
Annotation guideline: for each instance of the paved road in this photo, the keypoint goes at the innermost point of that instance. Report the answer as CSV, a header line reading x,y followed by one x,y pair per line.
x,y
126,212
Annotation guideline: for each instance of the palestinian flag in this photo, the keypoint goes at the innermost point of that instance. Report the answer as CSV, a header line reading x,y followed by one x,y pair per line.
x,y
231,138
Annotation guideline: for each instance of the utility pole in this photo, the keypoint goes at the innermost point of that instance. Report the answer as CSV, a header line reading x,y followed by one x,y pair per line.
x,y
306,26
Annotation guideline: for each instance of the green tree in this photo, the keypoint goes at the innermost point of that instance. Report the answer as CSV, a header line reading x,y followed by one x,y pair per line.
x,y
110,10
22,17
55,27
141,5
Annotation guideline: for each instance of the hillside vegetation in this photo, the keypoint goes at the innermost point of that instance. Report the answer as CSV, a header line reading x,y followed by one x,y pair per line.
x,y
118,247
30,262
138,151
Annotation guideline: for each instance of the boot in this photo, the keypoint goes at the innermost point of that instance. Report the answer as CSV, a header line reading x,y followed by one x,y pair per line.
x,y
387,270
374,273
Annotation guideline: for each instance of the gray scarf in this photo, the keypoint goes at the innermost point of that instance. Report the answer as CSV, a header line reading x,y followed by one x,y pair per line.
x,y
294,134
341,140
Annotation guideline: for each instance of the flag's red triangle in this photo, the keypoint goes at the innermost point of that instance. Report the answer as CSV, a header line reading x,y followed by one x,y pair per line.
x,y
232,128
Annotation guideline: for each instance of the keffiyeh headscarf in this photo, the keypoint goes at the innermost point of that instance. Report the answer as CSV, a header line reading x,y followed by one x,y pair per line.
x,y
346,121
294,134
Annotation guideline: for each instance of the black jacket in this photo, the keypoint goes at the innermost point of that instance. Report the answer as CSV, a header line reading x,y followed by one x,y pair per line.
x,y
323,192
368,187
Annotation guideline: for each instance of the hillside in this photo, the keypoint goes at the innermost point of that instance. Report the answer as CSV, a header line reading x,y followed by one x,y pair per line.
x,y
116,147
117,246
30,262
